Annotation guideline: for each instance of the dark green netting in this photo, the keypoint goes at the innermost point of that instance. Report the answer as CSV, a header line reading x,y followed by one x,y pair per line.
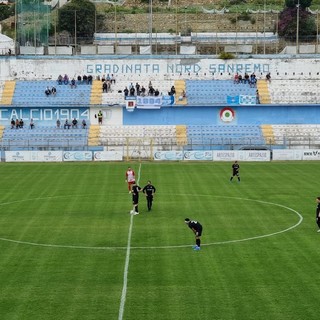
x,y
33,22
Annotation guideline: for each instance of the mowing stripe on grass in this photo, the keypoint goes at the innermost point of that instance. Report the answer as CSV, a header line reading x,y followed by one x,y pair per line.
x,y
126,265
165,247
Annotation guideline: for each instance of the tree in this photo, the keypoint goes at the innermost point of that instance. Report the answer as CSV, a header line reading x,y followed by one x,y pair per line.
x,y
6,11
287,26
303,3
77,15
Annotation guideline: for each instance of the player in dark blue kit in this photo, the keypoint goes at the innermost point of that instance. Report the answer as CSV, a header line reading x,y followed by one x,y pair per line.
x,y
235,171
135,198
149,190
318,213
196,227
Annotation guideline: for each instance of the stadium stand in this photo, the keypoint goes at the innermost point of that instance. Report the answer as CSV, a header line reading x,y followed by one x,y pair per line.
x,y
210,92
207,135
44,137
294,91
296,134
198,92
118,135
33,93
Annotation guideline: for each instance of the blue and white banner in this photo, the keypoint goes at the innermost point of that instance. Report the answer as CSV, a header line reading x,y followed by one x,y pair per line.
x,y
33,156
247,100
168,155
149,102
232,99
197,155
107,156
77,156
167,100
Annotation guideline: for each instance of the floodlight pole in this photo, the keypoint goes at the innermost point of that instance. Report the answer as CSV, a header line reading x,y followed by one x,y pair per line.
x,y
264,27
75,32
297,36
150,25
15,26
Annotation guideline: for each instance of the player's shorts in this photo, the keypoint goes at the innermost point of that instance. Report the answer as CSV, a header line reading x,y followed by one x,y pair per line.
x,y
235,173
135,199
199,232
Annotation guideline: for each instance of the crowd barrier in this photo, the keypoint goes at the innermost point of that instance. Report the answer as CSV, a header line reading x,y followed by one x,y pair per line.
x,y
209,155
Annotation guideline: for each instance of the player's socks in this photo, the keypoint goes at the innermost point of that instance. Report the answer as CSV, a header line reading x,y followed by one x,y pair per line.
x,y
231,178
198,241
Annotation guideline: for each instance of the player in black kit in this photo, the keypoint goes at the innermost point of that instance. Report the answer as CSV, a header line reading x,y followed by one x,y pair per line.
x,y
149,190
318,213
235,171
135,198
196,227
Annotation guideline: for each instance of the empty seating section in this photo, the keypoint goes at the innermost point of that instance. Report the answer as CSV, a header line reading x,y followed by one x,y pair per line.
x,y
7,92
211,135
122,135
32,93
45,137
294,91
298,134
208,92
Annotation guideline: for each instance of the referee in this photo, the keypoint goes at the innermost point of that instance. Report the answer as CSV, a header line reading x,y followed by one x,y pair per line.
x,y
149,190
196,227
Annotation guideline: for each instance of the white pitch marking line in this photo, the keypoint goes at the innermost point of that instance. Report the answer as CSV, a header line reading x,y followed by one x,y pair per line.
x,y
125,273
126,265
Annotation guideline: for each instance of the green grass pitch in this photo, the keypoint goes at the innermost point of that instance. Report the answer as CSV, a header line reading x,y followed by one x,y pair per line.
x,y
65,228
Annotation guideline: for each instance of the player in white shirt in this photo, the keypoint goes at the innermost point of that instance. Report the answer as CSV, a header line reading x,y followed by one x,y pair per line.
x,y
130,178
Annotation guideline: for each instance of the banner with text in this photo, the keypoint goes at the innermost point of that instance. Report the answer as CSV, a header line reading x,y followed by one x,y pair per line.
x,y
197,155
107,156
168,155
311,155
77,156
286,154
33,156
